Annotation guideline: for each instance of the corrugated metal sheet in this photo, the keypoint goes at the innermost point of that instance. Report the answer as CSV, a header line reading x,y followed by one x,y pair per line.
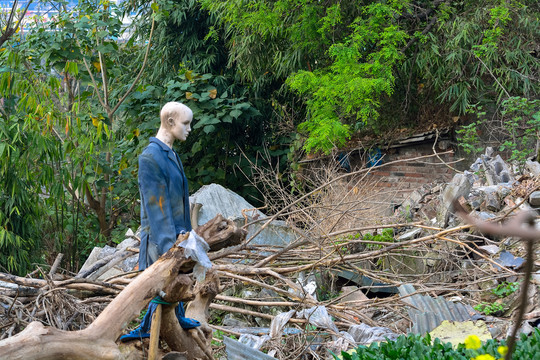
x,y
427,312
237,351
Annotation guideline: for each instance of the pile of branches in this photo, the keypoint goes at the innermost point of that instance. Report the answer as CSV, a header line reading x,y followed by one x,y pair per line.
x,y
331,221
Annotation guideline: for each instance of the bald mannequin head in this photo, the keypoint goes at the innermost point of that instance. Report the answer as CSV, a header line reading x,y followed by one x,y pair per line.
x,y
175,123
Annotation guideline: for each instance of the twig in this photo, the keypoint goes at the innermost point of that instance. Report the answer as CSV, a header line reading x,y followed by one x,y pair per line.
x,y
56,263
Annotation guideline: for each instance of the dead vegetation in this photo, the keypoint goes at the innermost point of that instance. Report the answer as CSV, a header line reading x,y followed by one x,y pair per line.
x,y
345,266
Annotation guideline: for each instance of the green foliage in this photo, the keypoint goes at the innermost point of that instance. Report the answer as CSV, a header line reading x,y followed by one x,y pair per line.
x,y
519,134
506,288
53,82
468,138
19,188
490,308
346,94
185,36
423,347
224,122
522,124
356,65
386,235
478,53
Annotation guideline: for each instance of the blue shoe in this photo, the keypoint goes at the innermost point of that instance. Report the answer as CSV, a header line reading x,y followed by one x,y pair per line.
x,y
136,334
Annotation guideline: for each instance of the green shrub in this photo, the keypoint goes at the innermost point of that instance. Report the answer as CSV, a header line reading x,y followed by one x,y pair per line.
x,y
490,309
422,347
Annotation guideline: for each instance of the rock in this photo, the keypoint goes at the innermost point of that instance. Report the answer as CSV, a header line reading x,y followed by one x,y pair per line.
x,y
490,249
497,171
411,234
533,167
534,199
460,185
525,206
536,277
475,200
247,294
268,295
483,215
476,166
231,320
216,199
492,202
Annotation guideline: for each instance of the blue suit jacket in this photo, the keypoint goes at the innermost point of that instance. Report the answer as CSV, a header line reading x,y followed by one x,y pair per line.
x,y
164,201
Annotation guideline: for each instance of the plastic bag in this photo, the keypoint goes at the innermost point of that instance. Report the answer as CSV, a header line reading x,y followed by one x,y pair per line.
x,y
197,249
279,322
364,334
318,316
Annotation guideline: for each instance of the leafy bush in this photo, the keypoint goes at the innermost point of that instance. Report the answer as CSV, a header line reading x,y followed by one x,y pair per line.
x,y
422,347
490,309
505,289
386,235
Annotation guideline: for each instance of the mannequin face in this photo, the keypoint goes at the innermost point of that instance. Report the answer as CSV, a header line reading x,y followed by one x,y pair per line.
x,y
181,125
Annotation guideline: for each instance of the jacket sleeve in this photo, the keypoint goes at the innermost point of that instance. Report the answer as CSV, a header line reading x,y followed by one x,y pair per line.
x,y
156,201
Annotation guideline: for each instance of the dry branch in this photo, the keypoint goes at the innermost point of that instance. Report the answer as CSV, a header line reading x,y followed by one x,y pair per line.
x,y
97,341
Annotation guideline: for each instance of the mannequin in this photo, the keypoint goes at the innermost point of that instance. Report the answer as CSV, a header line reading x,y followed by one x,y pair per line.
x,y
164,195
163,186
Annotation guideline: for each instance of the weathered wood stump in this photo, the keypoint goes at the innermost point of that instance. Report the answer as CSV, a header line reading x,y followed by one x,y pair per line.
x,y
170,274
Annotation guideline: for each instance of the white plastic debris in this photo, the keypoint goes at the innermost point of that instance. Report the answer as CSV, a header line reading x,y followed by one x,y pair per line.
x,y
279,322
253,341
307,287
364,334
276,328
342,342
318,316
197,249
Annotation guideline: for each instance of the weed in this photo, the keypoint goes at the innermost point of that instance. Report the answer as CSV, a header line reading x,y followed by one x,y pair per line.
x,y
505,289
490,309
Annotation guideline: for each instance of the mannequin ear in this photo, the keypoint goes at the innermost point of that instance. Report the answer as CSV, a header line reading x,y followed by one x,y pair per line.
x,y
170,122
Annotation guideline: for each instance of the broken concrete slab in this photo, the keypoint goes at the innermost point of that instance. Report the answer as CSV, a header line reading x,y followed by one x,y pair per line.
x,y
353,294
125,265
533,167
216,199
534,199
460,185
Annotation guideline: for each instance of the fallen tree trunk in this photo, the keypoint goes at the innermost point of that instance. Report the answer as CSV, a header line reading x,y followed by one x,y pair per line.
x,y
98,341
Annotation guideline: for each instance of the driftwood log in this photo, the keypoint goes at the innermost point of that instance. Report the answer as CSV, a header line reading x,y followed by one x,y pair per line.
x,y
169,275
